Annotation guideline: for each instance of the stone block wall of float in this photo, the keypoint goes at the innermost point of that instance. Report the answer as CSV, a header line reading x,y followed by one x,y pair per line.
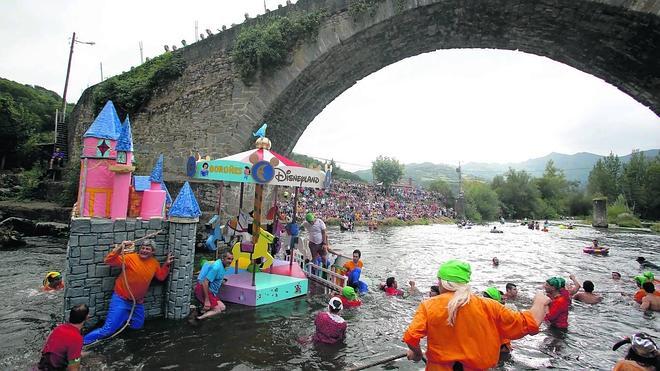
x,y
88,280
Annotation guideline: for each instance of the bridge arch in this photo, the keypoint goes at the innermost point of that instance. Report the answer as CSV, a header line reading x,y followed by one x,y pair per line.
x,y
209,109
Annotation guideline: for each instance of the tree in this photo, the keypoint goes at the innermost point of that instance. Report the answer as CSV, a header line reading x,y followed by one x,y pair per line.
x,y
481,202
387,171
605,177
16,126
634,182
518,194
653,189
554,189
443,188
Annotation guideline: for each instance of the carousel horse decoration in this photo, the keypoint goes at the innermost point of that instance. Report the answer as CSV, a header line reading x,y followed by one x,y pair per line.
x,y
238,227
215,233
246,250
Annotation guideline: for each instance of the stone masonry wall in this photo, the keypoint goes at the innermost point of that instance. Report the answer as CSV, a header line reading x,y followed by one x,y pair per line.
x,y
89,280
181,240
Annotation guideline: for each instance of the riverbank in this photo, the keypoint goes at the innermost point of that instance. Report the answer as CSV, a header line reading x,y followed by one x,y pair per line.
x,y
35,210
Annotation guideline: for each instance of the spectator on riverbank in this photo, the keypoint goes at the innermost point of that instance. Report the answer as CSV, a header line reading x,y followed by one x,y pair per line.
x,y
57,159
588,295
63,348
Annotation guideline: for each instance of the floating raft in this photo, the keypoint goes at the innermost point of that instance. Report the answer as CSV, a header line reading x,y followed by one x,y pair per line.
x,y
269,287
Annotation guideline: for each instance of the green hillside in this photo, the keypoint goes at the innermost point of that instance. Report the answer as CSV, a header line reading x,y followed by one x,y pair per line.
x,y
27,115
576,167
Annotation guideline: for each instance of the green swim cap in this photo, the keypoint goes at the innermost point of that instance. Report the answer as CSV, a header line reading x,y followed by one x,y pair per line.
x,y
556,282
349,293
455,271
649,276
641,279
493,293
202,261
309,217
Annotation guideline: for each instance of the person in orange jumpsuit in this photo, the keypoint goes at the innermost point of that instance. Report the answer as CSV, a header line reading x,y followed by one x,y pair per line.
x,y
463,329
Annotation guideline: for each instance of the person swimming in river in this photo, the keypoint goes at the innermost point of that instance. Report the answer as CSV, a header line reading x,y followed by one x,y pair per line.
x,y
53,281
645,264
391,288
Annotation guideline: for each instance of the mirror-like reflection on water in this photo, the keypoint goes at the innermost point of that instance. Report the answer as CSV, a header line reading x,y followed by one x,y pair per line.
x,y
277,336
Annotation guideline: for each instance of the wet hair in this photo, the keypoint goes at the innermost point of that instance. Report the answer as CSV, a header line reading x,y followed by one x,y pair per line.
x,y
641,259
356,251
617,274
648,287
435,289
509,286
588,286
78,314
389,282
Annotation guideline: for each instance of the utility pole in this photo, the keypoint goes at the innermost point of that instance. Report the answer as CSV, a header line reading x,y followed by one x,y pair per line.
x,y
101,64
141,55
459,207
66,82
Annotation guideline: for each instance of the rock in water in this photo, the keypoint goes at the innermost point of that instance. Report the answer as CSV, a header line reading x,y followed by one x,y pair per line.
x,y
9,238
20,225
51,229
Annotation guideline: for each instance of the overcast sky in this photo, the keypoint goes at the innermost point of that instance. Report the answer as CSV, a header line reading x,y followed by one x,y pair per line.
x,y
442,107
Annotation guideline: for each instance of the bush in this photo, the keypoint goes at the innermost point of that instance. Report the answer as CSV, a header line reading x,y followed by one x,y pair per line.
x,y
71,178
655,227
617,207
628,220
130,90
31,181
266,44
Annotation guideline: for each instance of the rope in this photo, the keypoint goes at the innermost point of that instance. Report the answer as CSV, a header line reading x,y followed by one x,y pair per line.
x,y
128,287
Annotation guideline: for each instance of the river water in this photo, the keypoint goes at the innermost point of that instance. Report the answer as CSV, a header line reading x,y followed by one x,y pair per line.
x,y
277,336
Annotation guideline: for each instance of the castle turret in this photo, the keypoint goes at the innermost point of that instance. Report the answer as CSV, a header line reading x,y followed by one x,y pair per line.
x,y
153,200
122,169
98,154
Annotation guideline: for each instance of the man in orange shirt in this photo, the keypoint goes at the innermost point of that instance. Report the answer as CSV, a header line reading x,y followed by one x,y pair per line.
x,y
463,329
139,269
355,263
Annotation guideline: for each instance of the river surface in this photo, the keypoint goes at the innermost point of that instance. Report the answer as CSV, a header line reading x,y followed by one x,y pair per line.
x,y
277,336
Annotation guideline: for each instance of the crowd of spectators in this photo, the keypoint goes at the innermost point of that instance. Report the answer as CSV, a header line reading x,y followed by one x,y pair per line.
x,y
364,202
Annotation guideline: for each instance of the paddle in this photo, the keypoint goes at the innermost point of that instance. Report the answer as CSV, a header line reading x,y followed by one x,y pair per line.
x,y
382,361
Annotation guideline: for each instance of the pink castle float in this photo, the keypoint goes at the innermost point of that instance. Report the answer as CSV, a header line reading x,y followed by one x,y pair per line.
x,y
107,188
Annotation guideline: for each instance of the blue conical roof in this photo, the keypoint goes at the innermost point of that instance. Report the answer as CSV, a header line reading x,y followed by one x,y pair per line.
x,y
125,141
157,172
168,197
185,205
106,125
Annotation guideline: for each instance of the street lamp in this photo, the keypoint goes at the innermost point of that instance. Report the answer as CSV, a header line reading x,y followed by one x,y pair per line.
x,y
68,70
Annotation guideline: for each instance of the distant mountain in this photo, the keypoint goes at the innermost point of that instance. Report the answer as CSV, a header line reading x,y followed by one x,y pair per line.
x,y
575,167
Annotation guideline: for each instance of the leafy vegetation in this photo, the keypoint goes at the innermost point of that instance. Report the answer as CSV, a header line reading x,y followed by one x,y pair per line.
x,y
356,8
27,116
130,90
481,202
267,44
387,171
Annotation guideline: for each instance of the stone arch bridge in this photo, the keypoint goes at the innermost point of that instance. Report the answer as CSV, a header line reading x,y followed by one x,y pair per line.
x,y
209,109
